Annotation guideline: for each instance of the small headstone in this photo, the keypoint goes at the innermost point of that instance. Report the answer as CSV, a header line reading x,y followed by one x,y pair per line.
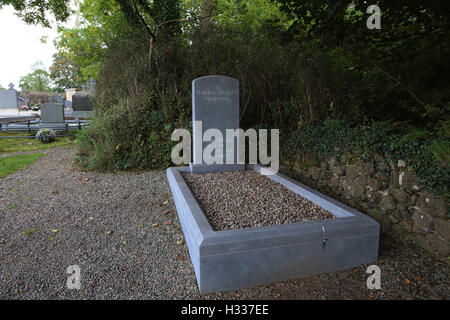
x,y
9,98
215,102
68,104
52,113
56,99
83,101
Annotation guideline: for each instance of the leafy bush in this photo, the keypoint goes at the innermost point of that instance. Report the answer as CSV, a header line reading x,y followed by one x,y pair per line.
x,y
125,137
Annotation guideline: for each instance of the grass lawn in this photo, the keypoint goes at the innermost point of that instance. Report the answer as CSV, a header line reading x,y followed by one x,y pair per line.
x,y
12,164
28,144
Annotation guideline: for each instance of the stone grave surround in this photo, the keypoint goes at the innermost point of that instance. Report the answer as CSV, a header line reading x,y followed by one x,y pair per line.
x,y
235,259
8,98
52,114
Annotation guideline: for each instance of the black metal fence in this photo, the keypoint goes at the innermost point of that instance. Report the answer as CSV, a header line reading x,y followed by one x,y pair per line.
x,y
29,126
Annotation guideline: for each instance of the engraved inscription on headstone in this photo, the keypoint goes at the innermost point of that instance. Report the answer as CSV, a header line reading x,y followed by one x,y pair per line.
x,y
52,113
215,102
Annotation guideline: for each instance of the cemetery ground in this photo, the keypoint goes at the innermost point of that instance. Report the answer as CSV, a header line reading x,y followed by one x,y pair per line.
x,y
20,145
123,232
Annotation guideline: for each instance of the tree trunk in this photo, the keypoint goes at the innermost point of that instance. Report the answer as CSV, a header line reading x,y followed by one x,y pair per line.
x,y
208,8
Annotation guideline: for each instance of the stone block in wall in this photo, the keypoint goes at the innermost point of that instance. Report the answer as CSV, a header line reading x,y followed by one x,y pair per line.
x,y
381,217
351,172
313,173
400,195
362,179
374,197
387,203
439,244
402,228
420,240
422,219
337,170
442,228
432,205
408,180
335,181
353,189
394,182
373,184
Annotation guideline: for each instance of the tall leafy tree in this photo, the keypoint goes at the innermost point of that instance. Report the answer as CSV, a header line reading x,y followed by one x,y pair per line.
x,y
37,80
37,11
64,72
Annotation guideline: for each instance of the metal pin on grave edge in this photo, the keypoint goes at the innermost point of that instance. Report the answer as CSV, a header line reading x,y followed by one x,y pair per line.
x,y
324,242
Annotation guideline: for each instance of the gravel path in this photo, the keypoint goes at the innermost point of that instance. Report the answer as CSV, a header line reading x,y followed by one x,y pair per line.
x,y
105,223
247,199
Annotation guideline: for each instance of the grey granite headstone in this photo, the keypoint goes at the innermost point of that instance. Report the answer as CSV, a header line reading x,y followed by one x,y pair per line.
x,y
215,102
8,98
82,101
52,113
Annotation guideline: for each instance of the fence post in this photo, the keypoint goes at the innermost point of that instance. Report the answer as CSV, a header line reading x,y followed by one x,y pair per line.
x,y
28,122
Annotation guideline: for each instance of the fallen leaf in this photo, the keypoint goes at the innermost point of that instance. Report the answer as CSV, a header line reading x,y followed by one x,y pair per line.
x,y
108,232
167,222
86,179
140,226
179,257
53,192
2,241
155,225
91,218
179,243
166,211
118,146
50,238
407,281
55,230
371,297
108,190
165,202
124,242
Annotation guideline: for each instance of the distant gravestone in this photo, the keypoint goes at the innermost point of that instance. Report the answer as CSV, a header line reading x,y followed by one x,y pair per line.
x,y
91,84
83,101
215,102
8,98
68,104
56,99
52,113
26,97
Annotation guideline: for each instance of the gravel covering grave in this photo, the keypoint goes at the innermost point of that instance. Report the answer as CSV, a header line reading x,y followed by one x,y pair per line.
x,y
123,255
246,199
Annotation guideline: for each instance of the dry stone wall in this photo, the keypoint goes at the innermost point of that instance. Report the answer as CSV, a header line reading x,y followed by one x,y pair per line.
x,y
391,193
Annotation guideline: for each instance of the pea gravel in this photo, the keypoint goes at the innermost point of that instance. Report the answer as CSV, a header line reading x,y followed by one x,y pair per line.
x,y
105,223
246,199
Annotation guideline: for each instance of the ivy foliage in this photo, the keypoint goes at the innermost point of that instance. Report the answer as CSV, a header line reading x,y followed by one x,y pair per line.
x,y
428,153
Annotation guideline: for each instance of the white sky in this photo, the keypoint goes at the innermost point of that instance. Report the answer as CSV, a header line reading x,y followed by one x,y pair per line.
x,y
20,47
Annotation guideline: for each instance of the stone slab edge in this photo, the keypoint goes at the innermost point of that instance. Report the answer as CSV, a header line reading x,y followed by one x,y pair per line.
x,y
233,259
